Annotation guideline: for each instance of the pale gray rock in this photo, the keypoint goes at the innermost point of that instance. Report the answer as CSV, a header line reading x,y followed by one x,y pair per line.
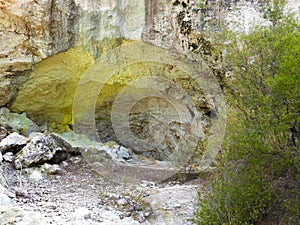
x,y
116,151
13,142
17,216
51,169
122,201
35,176
4,132
73,142
75,159
81,214
5,200
111,217
39,150
8,157
172,205
35,134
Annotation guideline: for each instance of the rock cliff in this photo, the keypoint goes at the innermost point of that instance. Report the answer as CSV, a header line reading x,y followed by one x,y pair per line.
x,y
47,45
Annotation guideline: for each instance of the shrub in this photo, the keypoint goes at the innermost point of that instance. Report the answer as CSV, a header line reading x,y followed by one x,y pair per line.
x,y
259,170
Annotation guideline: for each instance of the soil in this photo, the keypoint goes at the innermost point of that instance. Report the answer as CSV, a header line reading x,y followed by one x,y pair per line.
x,y
78,188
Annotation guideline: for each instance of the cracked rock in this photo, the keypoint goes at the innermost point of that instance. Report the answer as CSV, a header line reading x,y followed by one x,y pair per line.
x,y
13,142
39,150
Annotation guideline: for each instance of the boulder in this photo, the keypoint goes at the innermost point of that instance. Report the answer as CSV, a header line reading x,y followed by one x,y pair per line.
x,y
74,142
15,122
117,152
63,142
13,142
40,149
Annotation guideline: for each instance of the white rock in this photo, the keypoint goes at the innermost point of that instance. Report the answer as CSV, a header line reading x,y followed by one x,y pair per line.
x,y
39,150
3,190
81,213
12,141
35,134
8,156
4,200
122,201
51,169
35,176
80,222
17,216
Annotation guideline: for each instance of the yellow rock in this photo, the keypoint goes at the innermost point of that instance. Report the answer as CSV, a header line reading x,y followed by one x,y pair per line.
x,y
48,94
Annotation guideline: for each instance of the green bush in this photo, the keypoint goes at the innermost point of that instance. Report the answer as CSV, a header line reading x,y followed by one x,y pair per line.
x,y
259,169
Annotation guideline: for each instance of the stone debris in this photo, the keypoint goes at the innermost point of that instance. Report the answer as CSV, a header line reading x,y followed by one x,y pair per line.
x,y
5,200
13,142
80,196
15,122
49,169
39,150
18,216
35,176
8,157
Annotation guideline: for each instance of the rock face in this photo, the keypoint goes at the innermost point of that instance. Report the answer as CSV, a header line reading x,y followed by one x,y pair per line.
x,y
34,30
47,45
31,31
51,87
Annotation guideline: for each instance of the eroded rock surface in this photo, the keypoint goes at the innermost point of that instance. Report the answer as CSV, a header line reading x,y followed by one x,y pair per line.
x,y
39,150
13,142
15,122
69,35
34,30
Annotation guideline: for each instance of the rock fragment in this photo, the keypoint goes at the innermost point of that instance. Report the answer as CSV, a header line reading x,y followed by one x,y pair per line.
x,y
40,149
13,142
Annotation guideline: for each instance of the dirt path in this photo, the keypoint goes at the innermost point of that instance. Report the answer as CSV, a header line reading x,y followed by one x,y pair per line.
x,y
79,195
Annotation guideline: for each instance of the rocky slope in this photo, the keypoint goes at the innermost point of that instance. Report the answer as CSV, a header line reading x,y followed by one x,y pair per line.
x,y
45,180
72,193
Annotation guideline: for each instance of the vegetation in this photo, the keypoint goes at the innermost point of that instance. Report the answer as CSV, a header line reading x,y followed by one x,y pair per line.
x,y
257,178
